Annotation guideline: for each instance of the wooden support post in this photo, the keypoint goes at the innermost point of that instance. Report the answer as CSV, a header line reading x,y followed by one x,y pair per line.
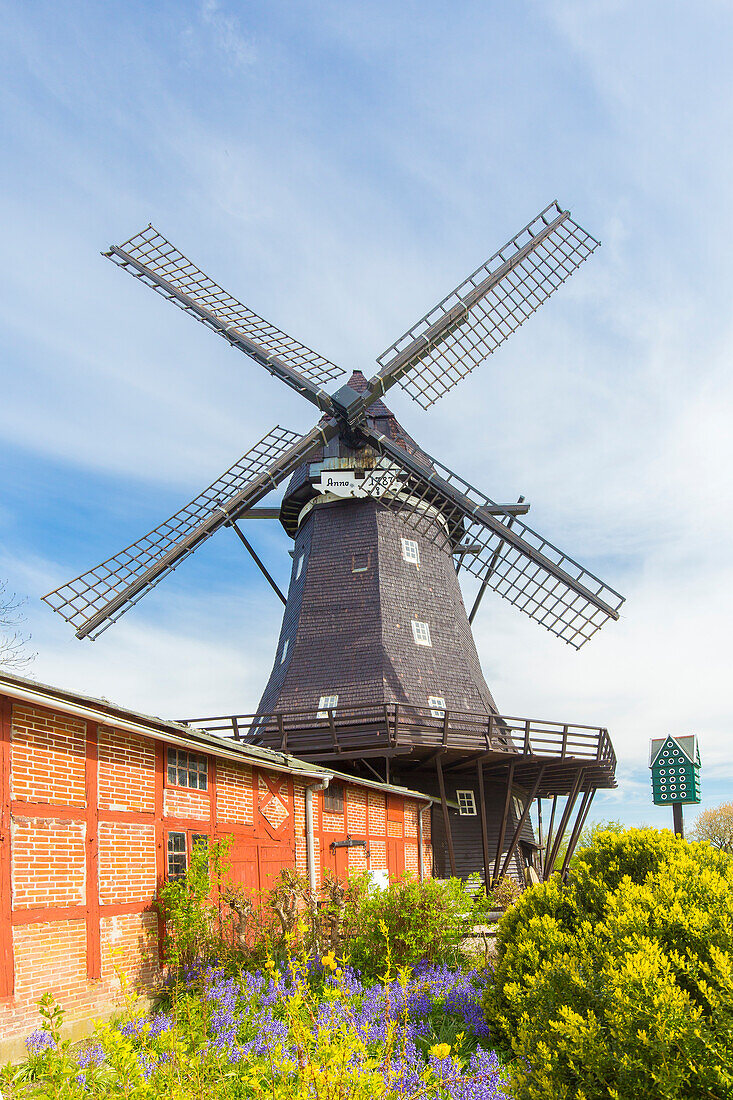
x,y
545,871
579,823
539,820
7,962
94,949
677,818
520,824
564,820
502,827
446,819
484,830
283,734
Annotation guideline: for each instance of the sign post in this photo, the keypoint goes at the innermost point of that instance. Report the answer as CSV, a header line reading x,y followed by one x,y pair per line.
x,y
675,768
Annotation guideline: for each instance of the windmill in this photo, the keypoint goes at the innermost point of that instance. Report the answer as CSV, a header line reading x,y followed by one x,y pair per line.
x,y
360,490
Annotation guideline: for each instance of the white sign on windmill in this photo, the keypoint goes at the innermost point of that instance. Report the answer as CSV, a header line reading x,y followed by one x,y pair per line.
x,y
357,483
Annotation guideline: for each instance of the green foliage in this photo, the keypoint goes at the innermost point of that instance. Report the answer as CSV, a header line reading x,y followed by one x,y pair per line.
x,y
586,839
619,983
504,894
420,921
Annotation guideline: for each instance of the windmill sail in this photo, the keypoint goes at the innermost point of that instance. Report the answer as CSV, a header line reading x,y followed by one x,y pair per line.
x,y
482,312
98,597
520,565
149,256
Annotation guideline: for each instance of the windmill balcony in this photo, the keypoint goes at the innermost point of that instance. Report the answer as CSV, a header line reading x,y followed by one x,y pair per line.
x,y
414,736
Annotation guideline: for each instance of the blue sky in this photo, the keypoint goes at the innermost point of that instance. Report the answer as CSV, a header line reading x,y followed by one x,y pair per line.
x,y
340,166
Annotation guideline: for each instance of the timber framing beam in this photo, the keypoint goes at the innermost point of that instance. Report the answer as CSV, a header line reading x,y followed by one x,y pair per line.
x,y
563,823
502,827
446,818
521,823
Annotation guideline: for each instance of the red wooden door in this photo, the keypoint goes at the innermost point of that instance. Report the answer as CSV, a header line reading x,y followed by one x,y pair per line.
x,y
245,865
395,858
337,861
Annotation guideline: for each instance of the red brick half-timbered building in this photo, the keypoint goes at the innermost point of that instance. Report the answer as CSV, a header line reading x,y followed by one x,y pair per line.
x,y
100,805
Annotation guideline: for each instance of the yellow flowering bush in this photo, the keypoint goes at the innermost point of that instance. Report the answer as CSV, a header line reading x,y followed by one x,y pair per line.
x,y
619,983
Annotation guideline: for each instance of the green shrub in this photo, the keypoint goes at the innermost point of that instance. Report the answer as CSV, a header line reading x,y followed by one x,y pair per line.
x,y
420,921
619,983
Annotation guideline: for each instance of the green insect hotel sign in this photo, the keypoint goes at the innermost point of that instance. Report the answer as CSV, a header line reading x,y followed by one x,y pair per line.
x,y
675,768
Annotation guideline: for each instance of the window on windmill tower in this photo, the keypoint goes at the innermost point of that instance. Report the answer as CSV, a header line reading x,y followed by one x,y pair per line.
x,y
437,706
299,566
187,769
411,551
284,653
326,703
466,803
333,799
421,632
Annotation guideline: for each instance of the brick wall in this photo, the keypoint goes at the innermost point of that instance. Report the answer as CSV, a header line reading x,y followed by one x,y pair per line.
x,y
48,757
233,793
127,865
49,862
126,772
181,803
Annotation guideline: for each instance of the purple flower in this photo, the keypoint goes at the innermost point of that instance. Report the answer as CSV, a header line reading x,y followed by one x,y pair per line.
x,y
38,1042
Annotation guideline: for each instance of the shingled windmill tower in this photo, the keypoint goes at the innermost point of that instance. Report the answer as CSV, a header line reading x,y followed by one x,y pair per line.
x,y
376,667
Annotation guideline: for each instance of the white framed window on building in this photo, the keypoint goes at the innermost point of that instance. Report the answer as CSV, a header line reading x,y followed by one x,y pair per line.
x,y
187,769
466,803
299,566
284,653
326,703
421,632
411,551
437,706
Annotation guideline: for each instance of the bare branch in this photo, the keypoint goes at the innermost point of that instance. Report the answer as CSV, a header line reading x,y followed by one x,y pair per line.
x,y
14,653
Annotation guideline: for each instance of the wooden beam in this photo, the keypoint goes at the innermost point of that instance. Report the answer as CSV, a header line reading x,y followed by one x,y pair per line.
x,y
502,827
7,961
520,824
548,842
579,823
260,564
484,830
564,820
94,948
446,819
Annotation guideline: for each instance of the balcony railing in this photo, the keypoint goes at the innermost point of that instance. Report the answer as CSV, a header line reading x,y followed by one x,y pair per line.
x,y
398,727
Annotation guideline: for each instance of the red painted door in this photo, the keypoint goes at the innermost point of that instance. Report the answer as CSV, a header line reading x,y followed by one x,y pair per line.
x,y
245,865
337,861
395,858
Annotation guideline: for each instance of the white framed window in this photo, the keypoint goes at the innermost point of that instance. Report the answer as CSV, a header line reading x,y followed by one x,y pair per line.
x,y
299,566
187,769
284,653
421,632
466,803
411,551
326,703
437,706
